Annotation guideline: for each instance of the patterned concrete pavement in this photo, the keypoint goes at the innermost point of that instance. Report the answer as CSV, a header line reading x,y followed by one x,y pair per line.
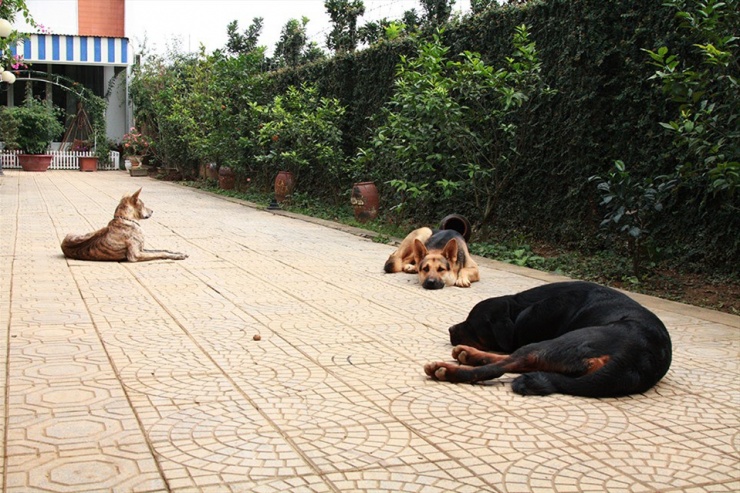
x,y
146,377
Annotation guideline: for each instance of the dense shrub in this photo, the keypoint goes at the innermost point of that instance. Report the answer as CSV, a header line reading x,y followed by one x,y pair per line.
x,y
197,109
299,132
448,136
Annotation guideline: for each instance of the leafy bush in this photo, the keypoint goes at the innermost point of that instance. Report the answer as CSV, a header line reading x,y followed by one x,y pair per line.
x,y
706,127
300,132
8,128
521,255
633,207
36,125
449,133
197,108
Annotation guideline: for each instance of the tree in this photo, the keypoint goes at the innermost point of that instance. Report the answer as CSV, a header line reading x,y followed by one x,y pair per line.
x,y
412,20
437,12
374,31
243,43
289,50
478,6
343,37
312,53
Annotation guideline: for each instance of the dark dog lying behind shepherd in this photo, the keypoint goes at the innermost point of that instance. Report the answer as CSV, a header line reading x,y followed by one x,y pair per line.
x,y
574,338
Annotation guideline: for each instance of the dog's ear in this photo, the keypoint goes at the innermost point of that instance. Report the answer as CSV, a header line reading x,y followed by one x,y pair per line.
x,y
135,196
420,251
450,250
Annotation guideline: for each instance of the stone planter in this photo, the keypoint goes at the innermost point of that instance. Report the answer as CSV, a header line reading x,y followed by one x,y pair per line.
x,y
88,163
365,201
35,162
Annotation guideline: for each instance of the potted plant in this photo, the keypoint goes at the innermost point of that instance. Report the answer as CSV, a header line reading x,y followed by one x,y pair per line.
x,y
37,125
365,201
135,147
86,163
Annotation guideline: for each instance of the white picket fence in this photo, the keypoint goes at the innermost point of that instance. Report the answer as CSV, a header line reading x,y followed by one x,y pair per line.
x,y
61,160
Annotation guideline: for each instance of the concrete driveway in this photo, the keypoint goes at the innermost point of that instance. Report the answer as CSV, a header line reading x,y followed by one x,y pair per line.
x,y
146,377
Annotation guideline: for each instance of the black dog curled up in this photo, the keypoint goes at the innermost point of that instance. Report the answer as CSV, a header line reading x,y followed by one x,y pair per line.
x,y
575,338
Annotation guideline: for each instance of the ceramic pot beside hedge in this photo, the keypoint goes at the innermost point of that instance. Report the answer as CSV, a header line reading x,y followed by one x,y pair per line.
x,y
31,128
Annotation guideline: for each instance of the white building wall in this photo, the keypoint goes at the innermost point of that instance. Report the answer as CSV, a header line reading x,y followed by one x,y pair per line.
x,y
117,115
59,16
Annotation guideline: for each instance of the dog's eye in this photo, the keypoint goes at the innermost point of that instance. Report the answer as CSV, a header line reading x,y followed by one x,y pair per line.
x,y
425,268
441,269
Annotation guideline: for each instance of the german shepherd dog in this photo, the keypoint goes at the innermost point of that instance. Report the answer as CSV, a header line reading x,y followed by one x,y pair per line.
x,y
440,258
122,239
575,338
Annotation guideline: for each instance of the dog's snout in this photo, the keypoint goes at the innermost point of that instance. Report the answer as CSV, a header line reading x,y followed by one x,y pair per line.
x,y
455,338
430,283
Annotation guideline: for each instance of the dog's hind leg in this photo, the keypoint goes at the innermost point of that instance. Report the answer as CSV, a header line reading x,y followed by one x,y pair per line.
x,y
402,260
597,384
537,383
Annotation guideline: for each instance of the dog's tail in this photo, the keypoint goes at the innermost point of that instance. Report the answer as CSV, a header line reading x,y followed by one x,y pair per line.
x,y
393,264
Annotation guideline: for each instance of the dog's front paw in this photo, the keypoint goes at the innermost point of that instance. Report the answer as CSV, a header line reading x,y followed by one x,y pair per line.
x,y
410,269
436,370
463,282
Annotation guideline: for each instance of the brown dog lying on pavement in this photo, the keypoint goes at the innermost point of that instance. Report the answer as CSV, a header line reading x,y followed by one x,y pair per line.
x,y
575,338
440,258
122,239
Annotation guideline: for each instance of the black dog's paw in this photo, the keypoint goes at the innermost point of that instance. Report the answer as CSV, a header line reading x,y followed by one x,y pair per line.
x,y
533,384
436,370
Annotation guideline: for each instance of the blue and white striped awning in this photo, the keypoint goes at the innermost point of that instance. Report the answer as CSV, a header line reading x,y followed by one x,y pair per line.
x,y
79,50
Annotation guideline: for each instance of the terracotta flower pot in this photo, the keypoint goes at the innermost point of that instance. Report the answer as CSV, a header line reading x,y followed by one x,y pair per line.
x,y
365,201
226,178
35,162
458,223
284,185
88,163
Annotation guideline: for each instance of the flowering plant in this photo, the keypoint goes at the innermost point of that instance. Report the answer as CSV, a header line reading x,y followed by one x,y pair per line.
x,y
135,143
8,11
81,146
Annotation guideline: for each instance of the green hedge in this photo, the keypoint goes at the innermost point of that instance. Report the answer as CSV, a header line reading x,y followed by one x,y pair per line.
x,y
606,109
